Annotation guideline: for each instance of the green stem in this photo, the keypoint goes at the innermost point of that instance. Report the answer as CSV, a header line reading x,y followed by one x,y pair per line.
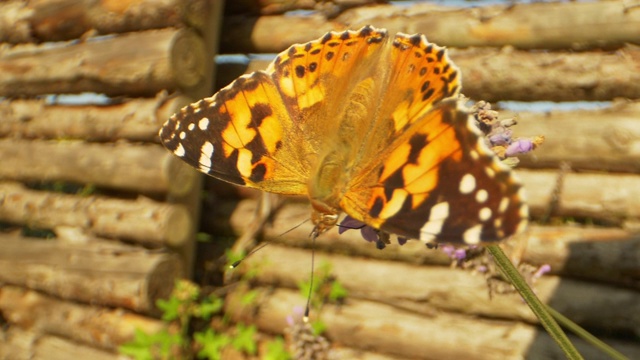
x,y
538,308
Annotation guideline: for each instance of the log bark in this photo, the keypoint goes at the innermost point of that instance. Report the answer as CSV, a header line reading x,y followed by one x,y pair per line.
x,y
27,345
142,220
133,120
557,25
95,273
143,168
508,74
424,290
135,64
387,330
98,327
274,7
599,140
56,20
601,254
610,198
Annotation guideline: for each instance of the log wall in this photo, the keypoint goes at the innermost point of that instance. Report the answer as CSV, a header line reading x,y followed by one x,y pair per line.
x,y
84,89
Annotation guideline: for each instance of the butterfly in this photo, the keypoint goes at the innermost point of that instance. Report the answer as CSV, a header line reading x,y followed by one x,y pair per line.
x,y
360,123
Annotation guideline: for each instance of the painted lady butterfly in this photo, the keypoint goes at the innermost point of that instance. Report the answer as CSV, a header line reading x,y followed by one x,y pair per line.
x,y
363,124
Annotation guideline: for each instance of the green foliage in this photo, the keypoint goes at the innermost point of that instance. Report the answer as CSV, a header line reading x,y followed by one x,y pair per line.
x,y
152,346
183,307
212,344
276,350
245,339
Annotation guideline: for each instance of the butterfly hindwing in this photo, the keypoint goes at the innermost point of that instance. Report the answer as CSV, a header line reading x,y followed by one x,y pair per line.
x,y
440,182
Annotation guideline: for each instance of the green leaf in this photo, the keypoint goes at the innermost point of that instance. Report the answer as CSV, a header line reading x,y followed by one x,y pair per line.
x,y
212,344
249,297
245,339
150,346
337,292
318,327
277,350
209,307
170,308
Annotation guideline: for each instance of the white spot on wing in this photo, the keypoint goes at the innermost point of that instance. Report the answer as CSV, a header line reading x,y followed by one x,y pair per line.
x,y
504,203
485,214
433,226
182,135
206,152
191,126
467,184
472,235
203,124
179,150
482,195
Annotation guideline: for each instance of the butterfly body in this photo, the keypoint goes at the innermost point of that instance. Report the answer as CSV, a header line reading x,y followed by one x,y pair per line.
x,y
360,123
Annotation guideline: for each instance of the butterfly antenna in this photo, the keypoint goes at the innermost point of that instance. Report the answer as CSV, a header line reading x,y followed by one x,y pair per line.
x,y
237,263
295,227
314,235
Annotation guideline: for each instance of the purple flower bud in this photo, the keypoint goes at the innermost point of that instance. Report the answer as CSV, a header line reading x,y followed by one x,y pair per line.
x,y
370,234
502,138
402,240
349,223
542,270
520,146
459,254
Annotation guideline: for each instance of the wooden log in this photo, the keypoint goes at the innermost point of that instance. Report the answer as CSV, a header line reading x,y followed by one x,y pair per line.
x,y
27,345
600,140
556,25
142,220
601,254
133,120
143,168
605,197
95,273
134,64
508,74
273,7
424,290
55,20
387,330
99,327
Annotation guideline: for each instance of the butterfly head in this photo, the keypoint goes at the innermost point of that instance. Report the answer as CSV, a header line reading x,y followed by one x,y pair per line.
x,y
323,216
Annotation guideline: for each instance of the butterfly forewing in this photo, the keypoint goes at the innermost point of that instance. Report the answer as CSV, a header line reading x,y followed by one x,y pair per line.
x,y
242,135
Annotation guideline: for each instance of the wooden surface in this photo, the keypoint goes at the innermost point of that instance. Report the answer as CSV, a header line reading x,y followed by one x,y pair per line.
x,y
142,168
384,329
19,344
103,328
596,140
133,64
133,119
427,290
97,273
142,220
548,25
55,20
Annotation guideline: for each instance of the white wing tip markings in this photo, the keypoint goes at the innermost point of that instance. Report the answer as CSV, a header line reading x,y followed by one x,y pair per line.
x,y
433,226
206,153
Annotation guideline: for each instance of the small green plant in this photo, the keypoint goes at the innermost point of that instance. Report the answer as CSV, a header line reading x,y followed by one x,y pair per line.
x,y
186,306
325,289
